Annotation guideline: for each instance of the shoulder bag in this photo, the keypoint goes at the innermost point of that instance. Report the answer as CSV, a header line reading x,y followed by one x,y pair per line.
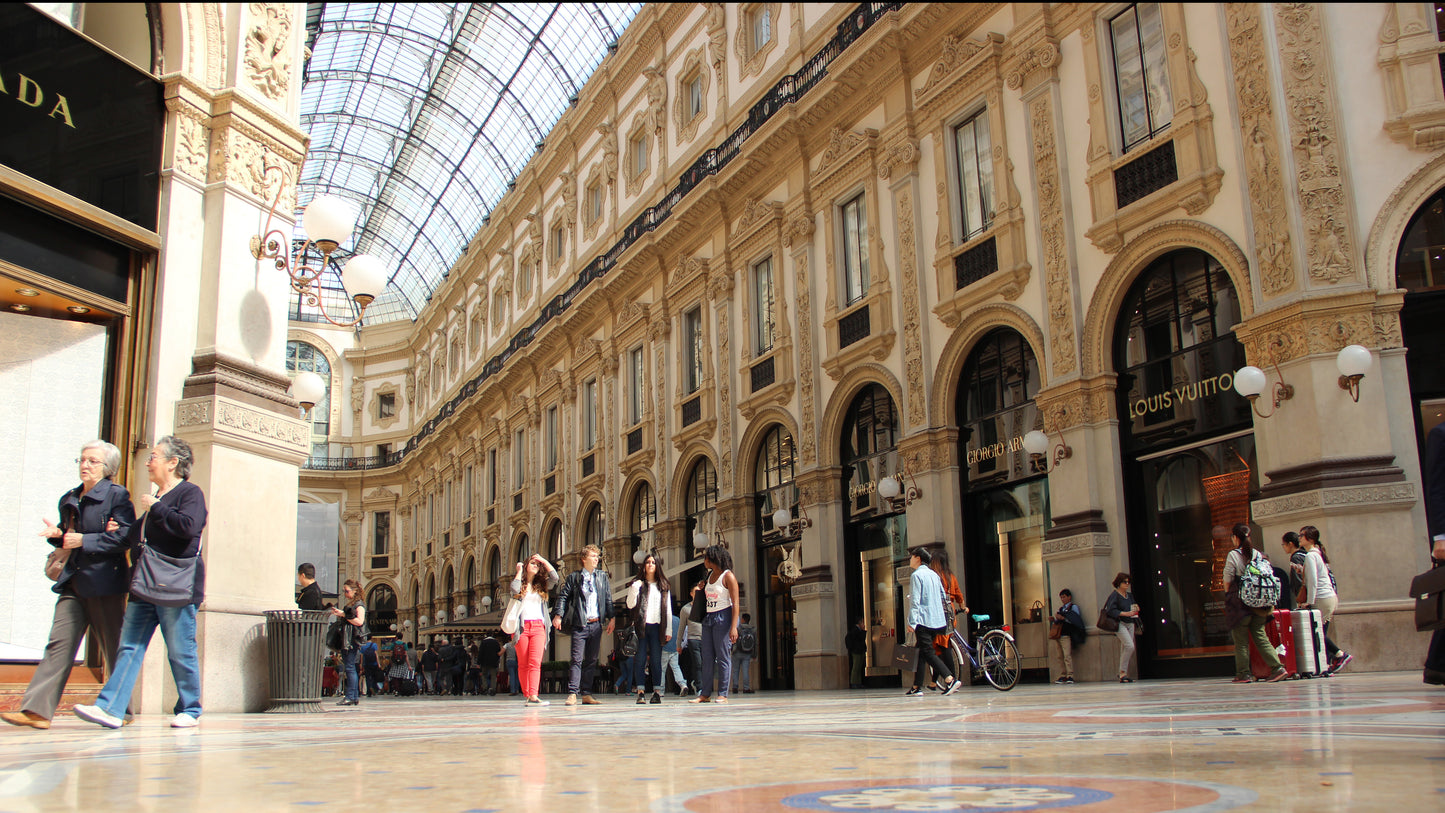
x,y
55,563
512,619
1106,623
167,581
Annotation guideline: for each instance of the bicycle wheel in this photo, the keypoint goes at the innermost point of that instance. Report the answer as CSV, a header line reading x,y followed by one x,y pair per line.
x,y
1000,660
960,658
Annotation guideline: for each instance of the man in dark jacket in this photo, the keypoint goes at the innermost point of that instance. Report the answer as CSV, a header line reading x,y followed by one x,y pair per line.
x,y
310,598
489,657
1435,514
1073,634
584,611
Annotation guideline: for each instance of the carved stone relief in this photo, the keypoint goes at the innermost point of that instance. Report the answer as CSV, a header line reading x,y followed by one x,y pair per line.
x,y
803,284
1064,357
1319,160
1269,207
268,56
724,387
717,36
840,143
913,362
193,146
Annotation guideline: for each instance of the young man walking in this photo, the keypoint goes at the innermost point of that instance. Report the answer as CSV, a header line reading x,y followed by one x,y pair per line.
x,y
584,606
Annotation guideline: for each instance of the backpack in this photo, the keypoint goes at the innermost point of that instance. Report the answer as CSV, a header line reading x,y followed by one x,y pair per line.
x,y
1258,586
747,641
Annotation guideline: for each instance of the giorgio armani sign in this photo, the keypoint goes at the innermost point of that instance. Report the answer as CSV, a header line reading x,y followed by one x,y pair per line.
x,y
78,118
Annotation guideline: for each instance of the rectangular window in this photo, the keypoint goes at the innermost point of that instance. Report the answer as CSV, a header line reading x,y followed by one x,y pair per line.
x,y
975,174
467,494
559,245
1140,73
431,514
551,438
491,476
765,331
692,350
636,395
638,150
524,282
594,203
855,250
383,449
589,414
448,506
381,533
694,97
414,533
518,459
762,28
386,405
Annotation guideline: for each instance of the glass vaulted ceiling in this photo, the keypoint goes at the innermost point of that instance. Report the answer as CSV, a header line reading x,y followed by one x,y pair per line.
x,y
421,114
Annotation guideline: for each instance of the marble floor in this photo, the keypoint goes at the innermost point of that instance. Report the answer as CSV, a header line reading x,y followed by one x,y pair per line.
x,y
1353,742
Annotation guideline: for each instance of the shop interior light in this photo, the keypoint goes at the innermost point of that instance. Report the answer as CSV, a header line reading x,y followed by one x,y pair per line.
x,y
1353,362
1251,382
327,222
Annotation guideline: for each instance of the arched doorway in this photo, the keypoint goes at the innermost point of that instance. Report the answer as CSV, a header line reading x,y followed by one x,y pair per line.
x,y
1187,448
1420,270
640,520
1005,493
699,509
875,531
381,611
774,488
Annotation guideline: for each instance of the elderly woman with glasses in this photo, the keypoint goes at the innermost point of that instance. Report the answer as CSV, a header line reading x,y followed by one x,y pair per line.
x,y
172,522
92,583
1121,607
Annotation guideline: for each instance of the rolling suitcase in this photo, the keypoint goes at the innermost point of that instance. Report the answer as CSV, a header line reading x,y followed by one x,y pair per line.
x,y
1309,643
1279,629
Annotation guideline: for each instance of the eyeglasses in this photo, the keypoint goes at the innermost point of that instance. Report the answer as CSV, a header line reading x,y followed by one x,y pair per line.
x,y
86,461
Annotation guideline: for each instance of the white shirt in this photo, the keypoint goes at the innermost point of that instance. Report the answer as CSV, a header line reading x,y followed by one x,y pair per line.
x,y
533,609
653,613
1316,577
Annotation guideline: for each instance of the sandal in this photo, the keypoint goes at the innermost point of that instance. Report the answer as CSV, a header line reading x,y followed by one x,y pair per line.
x,y
702,698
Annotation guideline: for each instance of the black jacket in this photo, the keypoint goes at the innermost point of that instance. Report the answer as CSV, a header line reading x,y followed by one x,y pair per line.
x,y
569,600
1074,623
98,566
173,525
310,598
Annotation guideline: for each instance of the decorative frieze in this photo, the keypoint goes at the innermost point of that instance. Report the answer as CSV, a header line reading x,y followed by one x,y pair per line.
x,y
1072,547
243,426
1353,500
802,230
1323,326
1052,233
914,368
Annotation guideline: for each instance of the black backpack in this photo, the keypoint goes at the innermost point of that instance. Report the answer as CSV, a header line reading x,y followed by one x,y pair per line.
x,y
747,642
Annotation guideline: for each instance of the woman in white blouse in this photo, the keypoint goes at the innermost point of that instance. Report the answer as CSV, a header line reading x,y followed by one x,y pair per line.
x,y
650,601
533,587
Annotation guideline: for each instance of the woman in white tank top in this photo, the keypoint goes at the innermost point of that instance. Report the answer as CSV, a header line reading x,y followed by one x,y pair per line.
x,y
532,587
719,626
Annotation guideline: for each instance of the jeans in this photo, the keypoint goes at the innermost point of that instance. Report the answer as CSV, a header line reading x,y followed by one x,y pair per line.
x,y
717,653
744,672
927,656
488,683
178,630
671,663
350,658
650,657
513,686
1251,627
529,656
694,656
586,640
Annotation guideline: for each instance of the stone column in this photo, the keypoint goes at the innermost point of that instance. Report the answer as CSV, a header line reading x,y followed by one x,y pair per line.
x,y
821,662
233,147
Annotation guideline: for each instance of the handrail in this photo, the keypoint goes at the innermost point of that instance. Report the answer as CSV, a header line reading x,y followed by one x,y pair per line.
x,y
787,91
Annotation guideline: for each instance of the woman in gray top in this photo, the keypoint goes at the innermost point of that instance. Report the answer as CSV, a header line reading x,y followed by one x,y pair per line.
x,y
1121,607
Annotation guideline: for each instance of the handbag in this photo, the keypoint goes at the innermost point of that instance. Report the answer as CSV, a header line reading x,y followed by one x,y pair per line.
x,y
168,581
905,656
1428,590
1036,612
336,635
1056,630
511,620
55,563
1106,623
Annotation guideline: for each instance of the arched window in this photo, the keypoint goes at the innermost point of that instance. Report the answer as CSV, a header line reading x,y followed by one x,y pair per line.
x,y
381,609
450,580
302,357
995,403
470,586
592,526
524,548
773,475
870,430
643,515
699,500
555,543
1420,262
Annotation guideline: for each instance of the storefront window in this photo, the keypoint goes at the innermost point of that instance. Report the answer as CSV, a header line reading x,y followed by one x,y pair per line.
x,y
774,488
1188,456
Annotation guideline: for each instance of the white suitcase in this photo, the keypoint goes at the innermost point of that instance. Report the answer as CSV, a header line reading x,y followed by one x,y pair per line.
x,y
1309,643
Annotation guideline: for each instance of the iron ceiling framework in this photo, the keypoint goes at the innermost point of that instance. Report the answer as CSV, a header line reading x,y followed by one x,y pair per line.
x,y
422,115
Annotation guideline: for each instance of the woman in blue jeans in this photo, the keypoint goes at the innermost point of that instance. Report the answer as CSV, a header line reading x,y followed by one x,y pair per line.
x,y
171,523
719,625
355,617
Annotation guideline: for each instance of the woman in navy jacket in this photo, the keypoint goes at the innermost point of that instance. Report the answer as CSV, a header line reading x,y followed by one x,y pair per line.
x,y
172,523
93,584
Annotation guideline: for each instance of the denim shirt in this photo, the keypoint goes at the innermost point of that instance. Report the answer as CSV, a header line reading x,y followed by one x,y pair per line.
x,y
926,599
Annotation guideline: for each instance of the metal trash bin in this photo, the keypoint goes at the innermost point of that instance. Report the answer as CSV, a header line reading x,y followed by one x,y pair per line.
x,y
296,646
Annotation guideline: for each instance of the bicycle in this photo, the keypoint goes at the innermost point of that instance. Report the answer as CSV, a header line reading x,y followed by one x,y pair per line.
x,y
995,655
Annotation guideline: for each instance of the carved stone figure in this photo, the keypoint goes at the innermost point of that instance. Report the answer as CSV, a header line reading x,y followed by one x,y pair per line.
x,y
268,64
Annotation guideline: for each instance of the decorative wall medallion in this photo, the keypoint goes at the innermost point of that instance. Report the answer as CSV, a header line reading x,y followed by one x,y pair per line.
x,y
268,58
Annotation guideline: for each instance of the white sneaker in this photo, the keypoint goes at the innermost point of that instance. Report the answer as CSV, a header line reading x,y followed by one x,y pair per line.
x,y
185,721
98,715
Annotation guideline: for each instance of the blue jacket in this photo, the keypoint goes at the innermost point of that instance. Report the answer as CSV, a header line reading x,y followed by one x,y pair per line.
x,y
98,566
925,592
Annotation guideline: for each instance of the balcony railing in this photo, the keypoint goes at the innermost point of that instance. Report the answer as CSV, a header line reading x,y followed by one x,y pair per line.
x,y
787,91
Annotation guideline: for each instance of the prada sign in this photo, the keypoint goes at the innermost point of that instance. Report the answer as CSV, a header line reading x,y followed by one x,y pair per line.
x,y
78,118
